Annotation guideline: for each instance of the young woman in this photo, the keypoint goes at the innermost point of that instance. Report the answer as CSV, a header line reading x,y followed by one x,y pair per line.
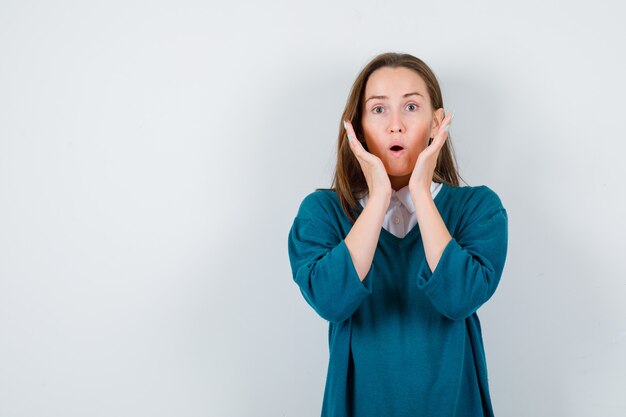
x,y
398,257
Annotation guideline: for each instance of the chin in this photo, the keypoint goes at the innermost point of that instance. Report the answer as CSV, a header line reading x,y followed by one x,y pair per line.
x,y
398,176
396,171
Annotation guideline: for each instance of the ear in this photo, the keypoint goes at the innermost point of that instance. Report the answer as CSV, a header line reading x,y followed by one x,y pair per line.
x,y
438,117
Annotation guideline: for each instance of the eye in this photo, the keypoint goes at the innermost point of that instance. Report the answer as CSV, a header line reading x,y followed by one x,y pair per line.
x,y
412,107
377,107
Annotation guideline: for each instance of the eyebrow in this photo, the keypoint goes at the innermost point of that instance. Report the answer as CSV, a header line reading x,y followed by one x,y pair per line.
x,y
415,93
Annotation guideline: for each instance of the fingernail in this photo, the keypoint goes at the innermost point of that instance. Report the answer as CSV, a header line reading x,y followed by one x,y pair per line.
x,y
451,115
349,138
345,125
447,128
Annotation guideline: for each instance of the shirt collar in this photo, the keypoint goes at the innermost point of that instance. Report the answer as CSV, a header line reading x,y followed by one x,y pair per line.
x,y
404,196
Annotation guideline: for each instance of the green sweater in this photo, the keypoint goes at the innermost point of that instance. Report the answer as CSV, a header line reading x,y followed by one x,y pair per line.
x,y
405,341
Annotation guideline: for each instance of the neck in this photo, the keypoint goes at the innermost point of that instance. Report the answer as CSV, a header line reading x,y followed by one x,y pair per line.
x,y
399,182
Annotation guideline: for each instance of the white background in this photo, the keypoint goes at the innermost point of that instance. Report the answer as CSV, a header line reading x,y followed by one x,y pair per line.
x,y
153,155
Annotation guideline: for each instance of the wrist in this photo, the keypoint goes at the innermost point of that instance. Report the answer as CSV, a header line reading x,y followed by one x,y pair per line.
x,y
421,194
382,196
379,199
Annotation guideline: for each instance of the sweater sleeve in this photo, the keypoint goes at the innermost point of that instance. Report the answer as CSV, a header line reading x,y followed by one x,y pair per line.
x,y
322,267
471,264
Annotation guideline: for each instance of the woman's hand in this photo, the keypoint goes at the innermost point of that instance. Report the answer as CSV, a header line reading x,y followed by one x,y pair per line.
x,y
422,175
373,169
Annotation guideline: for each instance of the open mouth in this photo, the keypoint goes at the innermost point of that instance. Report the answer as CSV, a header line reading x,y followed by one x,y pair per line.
x,y
397,151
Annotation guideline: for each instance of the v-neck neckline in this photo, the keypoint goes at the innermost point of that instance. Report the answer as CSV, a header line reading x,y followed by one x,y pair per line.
x,y
414,231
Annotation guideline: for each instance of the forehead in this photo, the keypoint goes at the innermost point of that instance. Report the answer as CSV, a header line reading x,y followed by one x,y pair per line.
x,y
387,81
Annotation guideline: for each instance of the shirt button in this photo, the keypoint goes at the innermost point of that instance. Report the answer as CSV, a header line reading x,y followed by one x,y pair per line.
x,y
396,220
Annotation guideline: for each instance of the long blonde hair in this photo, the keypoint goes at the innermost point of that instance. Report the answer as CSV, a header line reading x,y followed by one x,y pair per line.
x,y
348,181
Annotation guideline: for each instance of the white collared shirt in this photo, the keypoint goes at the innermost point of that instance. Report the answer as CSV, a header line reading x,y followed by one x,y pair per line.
x,y
400,217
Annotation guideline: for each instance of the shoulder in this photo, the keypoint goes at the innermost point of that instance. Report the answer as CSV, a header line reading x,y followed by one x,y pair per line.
x,y
476,200
321,214
321,201
476,194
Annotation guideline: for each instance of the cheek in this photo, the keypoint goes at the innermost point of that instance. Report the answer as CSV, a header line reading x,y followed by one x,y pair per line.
x,y
420,139
371,137
421,129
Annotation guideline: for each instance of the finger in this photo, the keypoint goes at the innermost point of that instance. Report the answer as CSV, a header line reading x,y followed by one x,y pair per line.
x,y
446,122
439,141
433,150
450,116
356,146
349,129
442,134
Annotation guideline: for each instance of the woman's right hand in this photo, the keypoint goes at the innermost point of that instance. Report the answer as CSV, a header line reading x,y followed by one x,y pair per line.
x,y
373,169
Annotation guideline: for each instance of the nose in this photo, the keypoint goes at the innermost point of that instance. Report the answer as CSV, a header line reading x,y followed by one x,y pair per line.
x,y
395,124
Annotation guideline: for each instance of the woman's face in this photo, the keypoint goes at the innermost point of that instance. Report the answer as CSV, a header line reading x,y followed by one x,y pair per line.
x,y
397,120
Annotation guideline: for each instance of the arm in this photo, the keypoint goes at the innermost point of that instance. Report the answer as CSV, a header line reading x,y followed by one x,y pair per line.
x,y
322,265
470,265
435,235
363,237
330,270
463,271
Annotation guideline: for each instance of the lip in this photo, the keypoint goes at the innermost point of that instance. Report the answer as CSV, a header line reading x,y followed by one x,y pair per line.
x,y
396,142
397,154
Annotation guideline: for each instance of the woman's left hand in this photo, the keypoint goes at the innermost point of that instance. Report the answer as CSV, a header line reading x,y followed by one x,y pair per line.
x,y
422,175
